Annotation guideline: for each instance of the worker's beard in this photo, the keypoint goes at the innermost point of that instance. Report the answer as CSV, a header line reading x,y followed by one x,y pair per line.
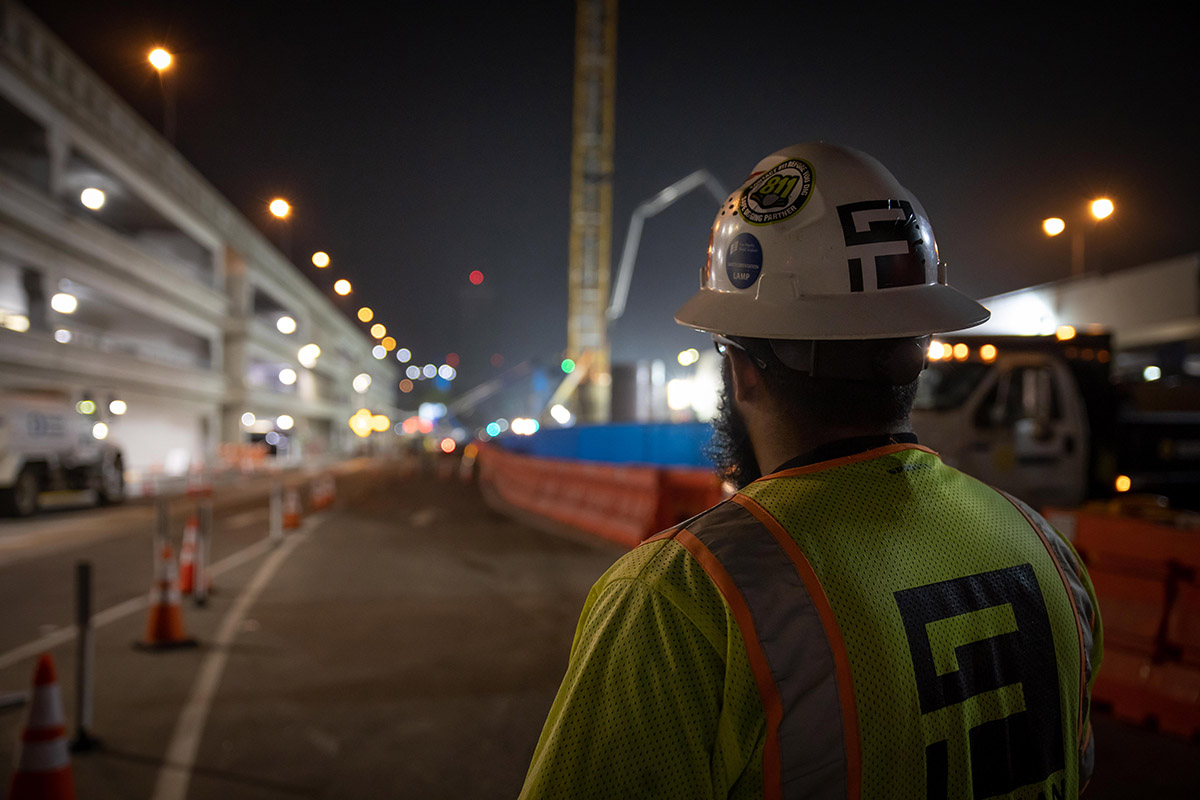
x,y
730,448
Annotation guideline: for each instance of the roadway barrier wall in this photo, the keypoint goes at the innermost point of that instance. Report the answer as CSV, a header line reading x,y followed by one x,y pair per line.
x,y
625,503
1147,579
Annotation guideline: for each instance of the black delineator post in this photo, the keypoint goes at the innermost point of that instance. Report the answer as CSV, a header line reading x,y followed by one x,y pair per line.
x,y
85,659
200,581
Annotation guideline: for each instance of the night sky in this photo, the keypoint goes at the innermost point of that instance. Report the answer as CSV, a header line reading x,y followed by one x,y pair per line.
x,y
420,141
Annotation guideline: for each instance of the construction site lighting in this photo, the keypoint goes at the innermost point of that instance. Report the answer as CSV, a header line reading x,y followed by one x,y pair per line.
x,y
365,314
936,350
343,287
117,407
287,376
100,431
285,324
320,259
93,198
1064,332
1102,208
284,422
961,352
988,352
159,58
64,303
280,207
1053,226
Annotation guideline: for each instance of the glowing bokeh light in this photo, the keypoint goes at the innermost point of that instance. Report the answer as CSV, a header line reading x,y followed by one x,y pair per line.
x,y
448,445
403,355
92,198
159,58
64,303
287,376
285,324
117,407
343,287
100,431
320,259
1102,208
567,366
248,419
378,330
280,207
361,382
284,422
1064,332
476,277
379,351
413,372
62,336
988,352
1053,226
1123,483
365,314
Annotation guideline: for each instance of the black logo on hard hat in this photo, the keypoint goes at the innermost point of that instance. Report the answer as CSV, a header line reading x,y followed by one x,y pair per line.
x,y
888,238
743,260
778,193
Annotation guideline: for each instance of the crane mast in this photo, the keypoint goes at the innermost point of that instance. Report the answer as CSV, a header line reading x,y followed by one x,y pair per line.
x,y
591,204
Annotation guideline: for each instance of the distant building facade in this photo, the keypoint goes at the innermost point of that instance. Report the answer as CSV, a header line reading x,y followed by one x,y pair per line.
x,y
177,297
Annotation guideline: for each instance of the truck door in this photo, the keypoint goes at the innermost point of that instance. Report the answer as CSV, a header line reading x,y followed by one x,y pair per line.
x,y
1028,435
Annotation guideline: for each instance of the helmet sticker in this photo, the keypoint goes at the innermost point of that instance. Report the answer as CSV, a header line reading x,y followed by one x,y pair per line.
x,y
888,236
743,260
777,193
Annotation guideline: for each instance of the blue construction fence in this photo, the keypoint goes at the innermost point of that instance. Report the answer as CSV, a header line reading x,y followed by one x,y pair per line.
x,y
663,444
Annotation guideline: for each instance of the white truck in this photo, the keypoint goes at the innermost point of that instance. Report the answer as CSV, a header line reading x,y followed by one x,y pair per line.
x,y
47,445
1043,419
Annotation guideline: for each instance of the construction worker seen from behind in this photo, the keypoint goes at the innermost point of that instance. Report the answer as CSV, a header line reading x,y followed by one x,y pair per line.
x,y
859,619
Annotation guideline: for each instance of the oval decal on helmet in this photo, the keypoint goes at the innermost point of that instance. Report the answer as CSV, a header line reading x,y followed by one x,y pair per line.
x,y
778,193
743,260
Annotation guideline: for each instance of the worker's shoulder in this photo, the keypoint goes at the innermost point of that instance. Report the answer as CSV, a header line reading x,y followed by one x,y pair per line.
x,y
664,564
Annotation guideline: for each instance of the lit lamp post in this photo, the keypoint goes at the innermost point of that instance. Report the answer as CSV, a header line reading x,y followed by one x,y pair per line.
x,y
160,59
281,209
1100,208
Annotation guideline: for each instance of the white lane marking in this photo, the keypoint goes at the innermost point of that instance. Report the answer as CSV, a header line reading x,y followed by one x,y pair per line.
x,y
114,613
180,755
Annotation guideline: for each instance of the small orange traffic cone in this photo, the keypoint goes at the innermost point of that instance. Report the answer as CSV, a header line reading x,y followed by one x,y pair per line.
x,y
164,623
44,765
187,556
291,509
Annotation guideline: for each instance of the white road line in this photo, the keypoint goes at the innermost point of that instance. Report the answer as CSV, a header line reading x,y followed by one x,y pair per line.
x,y
130,606
180,755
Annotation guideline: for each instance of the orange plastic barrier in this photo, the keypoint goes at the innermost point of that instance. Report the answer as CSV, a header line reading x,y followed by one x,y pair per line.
x,y
1146,577
623,503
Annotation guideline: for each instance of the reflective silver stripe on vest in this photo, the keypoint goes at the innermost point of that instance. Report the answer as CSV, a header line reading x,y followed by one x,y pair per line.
x,y
811,738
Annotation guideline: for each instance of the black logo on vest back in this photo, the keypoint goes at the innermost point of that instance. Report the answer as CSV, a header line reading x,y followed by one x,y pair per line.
x,y
1009,642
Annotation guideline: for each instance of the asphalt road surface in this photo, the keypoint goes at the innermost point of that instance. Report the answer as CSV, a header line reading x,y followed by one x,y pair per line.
x,y
405,643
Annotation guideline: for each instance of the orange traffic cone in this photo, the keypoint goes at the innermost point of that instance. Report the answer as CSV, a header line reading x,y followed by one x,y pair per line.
x,y
164,624
291,509
187,556
44,764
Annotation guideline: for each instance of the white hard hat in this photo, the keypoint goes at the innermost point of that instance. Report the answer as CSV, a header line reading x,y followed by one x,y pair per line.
x,y
822,242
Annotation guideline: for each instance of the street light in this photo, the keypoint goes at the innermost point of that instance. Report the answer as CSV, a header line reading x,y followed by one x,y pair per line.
x,y
320,259
1101,208
342,287
160,59
280,207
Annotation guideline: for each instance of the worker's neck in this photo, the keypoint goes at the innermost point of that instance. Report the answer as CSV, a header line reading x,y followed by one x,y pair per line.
x,y
777,441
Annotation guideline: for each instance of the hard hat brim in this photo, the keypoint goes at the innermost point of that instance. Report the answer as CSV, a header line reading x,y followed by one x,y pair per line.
x,y
888,314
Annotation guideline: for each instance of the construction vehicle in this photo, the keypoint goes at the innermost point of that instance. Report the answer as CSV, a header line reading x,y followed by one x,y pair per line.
x,y
48,444
1042,417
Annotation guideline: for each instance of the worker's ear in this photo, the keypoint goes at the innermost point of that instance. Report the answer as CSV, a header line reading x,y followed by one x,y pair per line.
x,y
747,382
